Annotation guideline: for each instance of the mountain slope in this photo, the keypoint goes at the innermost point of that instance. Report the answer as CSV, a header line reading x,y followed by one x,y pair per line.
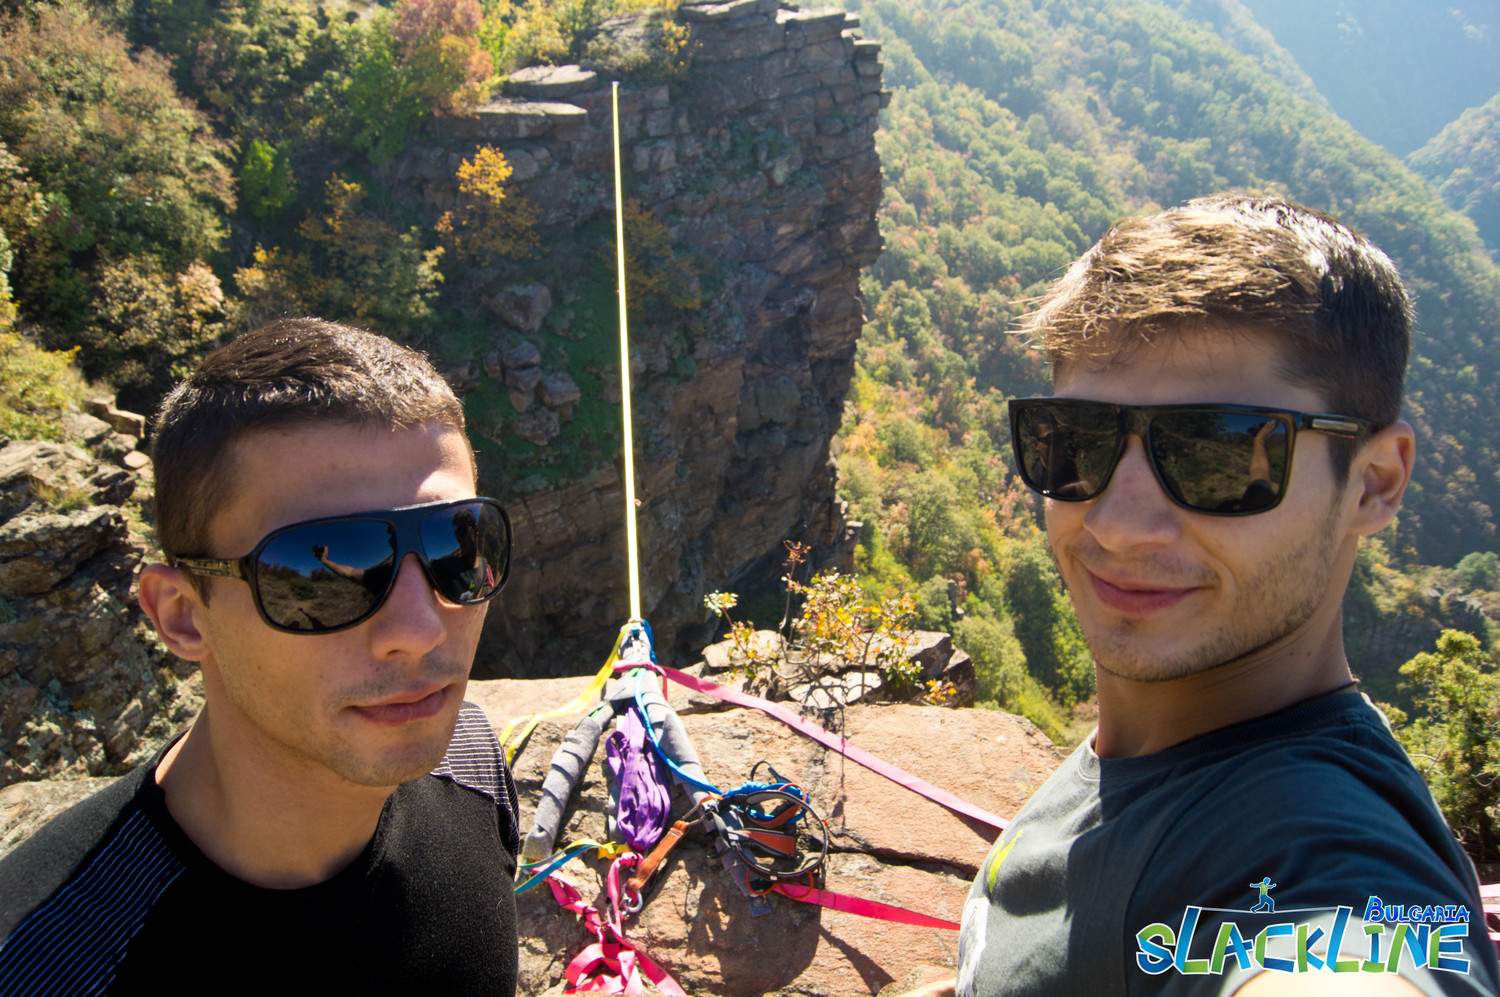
x,y
1463,163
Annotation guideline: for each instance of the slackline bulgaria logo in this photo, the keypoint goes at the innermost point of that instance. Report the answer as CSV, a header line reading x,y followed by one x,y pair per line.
x,y
1306,939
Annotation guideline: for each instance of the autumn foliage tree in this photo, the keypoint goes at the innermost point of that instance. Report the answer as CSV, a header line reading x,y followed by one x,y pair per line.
x,y
489,221
354,265
423,58
439,43
104,169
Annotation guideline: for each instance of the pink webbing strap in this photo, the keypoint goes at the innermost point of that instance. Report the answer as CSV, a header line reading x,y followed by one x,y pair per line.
x,y
611,965
1489,893
842,745
860,906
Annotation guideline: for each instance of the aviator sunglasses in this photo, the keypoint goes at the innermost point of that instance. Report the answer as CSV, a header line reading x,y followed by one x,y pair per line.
x,y
333,573
1225,460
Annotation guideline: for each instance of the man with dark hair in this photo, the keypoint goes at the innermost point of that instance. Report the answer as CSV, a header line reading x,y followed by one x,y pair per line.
x,y
1224,428
337,819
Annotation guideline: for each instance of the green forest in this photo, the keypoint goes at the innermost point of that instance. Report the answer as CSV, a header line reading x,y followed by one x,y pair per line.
x,y
172,171
1017,132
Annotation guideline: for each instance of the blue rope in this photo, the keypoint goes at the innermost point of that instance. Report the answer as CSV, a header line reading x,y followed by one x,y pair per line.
x,y
640,704
553,866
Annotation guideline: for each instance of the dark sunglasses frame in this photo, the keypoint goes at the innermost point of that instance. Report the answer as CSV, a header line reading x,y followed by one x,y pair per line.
x,y
1136,420
407,523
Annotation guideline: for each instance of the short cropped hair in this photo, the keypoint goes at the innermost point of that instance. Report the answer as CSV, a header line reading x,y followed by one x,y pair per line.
x,y
287,373
1333,300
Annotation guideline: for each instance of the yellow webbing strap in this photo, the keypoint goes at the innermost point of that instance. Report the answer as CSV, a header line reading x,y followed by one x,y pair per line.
x,y
577,704
538,871
513,747
635,568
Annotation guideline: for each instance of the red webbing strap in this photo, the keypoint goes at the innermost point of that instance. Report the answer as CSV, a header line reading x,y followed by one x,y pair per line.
x,y
611,965
860,906
842,745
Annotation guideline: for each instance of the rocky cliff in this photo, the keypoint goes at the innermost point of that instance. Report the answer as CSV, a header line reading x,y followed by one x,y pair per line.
x,y
85,688
752,165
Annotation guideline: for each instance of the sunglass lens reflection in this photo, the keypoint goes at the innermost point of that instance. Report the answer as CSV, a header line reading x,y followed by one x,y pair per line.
x,y
1225,462
325,575
1067,451
467,547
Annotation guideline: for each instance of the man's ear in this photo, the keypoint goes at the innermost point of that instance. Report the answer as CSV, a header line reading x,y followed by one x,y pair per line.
x,y
175,608
1380,472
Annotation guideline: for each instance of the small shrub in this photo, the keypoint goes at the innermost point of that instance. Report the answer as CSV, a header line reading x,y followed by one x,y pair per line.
x,y
489,221
151,326
267,185
655,276
36,386
835,625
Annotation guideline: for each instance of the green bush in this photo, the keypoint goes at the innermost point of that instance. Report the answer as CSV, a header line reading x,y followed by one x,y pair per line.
x,y
35,387
267,185
108,160
1046,626
1453,740
151,326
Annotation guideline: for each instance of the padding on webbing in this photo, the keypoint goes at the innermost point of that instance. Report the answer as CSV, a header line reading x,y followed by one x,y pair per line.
x,y
589,695
569,762
668,735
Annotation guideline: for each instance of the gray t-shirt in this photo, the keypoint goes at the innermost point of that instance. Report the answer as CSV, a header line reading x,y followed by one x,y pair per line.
x,y
1278,832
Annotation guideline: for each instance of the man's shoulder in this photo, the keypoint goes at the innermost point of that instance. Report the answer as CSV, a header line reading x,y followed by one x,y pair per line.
x,y
1338,807
72,891
48,859
474,758
475,761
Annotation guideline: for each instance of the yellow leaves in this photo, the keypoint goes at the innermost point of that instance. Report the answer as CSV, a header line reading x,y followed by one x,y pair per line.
x,y
488,222
484,176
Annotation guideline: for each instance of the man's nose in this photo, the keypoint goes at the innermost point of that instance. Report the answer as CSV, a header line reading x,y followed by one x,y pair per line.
x,y
1134,510
411,622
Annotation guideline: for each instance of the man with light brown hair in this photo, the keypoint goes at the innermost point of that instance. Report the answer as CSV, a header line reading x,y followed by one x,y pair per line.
x,y
337,819
1224,428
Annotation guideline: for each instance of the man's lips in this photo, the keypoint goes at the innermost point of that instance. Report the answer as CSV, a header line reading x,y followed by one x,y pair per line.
x,y
1136,597
405,707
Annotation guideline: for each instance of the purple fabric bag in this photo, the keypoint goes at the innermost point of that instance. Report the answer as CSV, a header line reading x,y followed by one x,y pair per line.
x,y
644,801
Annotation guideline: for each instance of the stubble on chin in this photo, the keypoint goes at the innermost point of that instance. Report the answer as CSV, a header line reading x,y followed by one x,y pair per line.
x,y
1278,598
368,755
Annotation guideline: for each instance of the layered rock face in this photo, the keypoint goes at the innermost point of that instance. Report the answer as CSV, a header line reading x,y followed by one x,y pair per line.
x,y
759,161
85,689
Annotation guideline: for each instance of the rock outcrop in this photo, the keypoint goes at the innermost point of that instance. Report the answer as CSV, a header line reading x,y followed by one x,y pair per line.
x,y
85,688
758,162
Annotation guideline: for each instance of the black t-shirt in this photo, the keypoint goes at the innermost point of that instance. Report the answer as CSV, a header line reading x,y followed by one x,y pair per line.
x,y
112,897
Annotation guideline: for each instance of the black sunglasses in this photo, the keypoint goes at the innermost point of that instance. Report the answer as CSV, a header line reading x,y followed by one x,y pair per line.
x,y
330,574
1226,460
